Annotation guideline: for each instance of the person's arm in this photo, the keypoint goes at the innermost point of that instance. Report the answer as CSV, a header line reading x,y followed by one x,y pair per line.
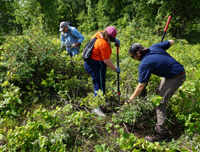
x,y
164,45
110,64
137,91
77,43
79,36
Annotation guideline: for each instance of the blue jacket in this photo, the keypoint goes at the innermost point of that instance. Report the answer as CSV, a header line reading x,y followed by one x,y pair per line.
x,y
68,40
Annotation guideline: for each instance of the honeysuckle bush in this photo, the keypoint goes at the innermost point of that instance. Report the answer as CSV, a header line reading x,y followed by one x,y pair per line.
x,y
40,70
34,71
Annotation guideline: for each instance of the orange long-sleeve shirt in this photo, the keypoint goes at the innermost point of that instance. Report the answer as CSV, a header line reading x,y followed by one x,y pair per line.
x,y
102,49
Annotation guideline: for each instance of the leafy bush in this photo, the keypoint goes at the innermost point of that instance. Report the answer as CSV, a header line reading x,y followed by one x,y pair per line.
x,y
41,71
2,39
11,104
55,130
35,72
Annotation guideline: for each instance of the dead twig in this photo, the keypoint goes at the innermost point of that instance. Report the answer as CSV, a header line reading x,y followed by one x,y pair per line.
x,y
126,128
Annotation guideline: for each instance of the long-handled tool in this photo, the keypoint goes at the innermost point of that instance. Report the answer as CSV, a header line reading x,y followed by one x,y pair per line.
x,y
165,30
118,75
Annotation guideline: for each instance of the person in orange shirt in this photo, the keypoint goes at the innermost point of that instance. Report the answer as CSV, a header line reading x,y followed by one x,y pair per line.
x,y
100,59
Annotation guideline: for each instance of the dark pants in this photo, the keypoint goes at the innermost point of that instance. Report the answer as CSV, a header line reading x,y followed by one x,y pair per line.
x,y
97,70
166,89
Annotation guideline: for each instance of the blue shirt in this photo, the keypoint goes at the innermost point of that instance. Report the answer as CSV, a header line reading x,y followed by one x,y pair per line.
x,y
68,40
158,62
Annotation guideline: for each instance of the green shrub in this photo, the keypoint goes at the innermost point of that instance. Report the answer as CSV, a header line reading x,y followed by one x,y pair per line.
x,y
57,130
35,72
41,70
11,104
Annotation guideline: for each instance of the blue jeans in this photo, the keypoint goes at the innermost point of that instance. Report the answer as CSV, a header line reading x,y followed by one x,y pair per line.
x,y
97,70
73,52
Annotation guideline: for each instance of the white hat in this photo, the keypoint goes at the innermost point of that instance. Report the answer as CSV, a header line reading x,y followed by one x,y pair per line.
x,y
62,26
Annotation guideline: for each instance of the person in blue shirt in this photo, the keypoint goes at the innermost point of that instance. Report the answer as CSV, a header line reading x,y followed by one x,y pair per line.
x,y
71,38
155,60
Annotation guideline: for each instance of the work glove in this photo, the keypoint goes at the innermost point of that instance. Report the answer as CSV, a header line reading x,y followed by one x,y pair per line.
x,y
117,42
73,46
118,70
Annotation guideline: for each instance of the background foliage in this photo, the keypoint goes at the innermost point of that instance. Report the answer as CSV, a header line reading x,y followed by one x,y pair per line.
x,y
46,97
90,15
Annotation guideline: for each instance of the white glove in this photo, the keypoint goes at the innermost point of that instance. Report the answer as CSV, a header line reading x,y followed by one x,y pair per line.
x,y
73,46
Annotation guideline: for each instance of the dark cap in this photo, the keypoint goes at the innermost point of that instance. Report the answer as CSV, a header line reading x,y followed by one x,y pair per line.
x,y
136,47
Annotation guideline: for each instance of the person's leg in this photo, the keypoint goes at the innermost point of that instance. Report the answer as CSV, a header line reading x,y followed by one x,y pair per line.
x,y
94,69
166,89
161,109
98,78
97,85
74,52
161,115
103,77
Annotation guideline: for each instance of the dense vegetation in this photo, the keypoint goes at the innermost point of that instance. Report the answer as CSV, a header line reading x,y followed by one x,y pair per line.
x,y
46,97
90,15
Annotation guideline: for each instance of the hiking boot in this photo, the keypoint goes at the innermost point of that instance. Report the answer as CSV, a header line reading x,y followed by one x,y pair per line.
x,y
156,137
98,112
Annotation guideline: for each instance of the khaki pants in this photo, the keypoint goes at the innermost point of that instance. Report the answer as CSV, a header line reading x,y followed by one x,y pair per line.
x,y
166,89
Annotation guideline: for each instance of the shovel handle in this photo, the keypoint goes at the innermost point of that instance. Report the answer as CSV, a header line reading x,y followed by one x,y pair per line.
x,y
168,21
165,30
118,75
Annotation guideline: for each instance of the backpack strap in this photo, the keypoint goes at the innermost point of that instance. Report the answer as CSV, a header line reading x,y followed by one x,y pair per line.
x,y
70,33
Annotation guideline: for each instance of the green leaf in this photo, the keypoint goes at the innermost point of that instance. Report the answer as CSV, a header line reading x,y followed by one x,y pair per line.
x,y
156,100
1,136
98,148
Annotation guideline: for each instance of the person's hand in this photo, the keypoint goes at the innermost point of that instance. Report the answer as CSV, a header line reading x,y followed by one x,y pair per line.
x,y
73,45
118,70
127,102
117,42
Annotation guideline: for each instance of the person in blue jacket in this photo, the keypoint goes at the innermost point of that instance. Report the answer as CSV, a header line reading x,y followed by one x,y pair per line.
x,y
71,38
155,60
